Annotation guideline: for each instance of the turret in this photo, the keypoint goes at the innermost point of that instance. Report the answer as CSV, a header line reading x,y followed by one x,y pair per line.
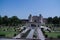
x,y
41,18
30,18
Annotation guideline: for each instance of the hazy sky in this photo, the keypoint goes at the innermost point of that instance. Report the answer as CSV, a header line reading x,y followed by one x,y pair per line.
x,y
22,8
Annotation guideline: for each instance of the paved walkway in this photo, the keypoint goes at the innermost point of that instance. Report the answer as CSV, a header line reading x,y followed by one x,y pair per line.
x,y
30,35
12,39
19,35
40,34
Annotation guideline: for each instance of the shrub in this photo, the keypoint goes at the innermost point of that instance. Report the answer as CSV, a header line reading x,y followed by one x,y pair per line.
x,y
15,30
14,34
51,38
24,28
42,29
2,35
4,30
59,36
46,36
34,36
48,30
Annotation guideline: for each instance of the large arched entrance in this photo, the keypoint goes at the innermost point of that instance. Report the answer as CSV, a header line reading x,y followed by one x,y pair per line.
x,y
33,25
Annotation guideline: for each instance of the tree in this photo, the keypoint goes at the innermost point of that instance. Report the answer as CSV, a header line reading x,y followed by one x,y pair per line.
x,y
0,20
55,20
59,20
14,20
5,20
49,20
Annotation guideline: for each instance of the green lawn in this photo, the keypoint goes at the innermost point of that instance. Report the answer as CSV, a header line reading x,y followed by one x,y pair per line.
x,y
8,31
53,34
57,29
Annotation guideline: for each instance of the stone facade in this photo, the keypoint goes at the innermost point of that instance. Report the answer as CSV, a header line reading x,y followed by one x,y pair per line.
x,y
36,18
35,21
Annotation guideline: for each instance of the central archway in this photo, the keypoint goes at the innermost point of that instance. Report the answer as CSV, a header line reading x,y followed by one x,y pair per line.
x,y
33,25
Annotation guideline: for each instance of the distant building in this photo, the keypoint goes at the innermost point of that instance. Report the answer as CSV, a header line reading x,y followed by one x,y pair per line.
x,y
35,20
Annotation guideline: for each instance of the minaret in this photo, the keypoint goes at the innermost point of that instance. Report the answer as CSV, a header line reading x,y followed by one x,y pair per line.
x,y
41,18
30,18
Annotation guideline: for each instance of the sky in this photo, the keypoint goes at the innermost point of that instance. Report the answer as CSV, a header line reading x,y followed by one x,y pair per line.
x,y
22,8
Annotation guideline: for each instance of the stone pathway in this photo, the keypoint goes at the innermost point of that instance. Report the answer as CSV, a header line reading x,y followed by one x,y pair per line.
x,y
40,34
11,39
19,35
30,35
